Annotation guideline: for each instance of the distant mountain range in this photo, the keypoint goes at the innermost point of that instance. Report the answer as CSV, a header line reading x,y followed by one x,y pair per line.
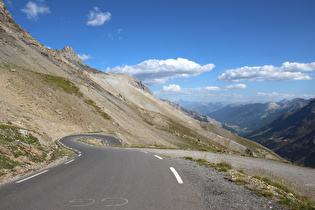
x,y
201,107
292,135
245,118
194,114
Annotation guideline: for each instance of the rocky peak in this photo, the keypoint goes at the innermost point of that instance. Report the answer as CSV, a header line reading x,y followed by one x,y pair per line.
x,y
5,15
71,56
272,106
138,84
7,22
10,29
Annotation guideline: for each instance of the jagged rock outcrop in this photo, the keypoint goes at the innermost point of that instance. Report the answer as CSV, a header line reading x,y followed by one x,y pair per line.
x,y
138,84
71,56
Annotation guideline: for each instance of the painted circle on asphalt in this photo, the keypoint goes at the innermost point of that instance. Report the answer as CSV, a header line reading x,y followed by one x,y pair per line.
x,y
115,201
81,202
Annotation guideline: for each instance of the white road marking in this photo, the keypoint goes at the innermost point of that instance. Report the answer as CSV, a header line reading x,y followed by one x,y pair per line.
x,y
115,201
144,151
31,177
179,179
69,161
158,157
81,202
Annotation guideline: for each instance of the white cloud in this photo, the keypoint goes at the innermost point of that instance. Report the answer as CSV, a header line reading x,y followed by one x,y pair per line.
x,y
84,57
275,96
153,72
171,88
98,18
176,89
32,10
287,72
236,86
210,88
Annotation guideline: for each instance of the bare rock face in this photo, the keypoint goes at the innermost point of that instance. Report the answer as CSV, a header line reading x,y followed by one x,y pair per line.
x,y
138,84
71,56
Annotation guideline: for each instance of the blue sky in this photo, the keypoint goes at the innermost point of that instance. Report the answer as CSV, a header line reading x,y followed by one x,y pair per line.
x,y
195,50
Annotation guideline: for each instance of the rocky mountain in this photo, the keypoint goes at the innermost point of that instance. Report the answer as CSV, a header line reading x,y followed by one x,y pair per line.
x,y
245,118
52,93
201,107
292,135
194,114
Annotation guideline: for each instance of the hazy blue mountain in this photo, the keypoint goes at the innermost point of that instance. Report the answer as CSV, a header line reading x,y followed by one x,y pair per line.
x,y
291,136
202,107
245,118
194,114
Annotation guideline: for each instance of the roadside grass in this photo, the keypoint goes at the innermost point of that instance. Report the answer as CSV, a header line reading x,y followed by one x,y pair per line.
x,y
93,141
22,152
17,143
286,196
260,185
221,166
61,152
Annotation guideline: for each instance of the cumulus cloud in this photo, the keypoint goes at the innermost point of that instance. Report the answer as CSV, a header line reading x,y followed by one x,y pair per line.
x,y
210,88
289,71
177,89
84,57
98,18
236,86
32,10
153,72
276,96
172,88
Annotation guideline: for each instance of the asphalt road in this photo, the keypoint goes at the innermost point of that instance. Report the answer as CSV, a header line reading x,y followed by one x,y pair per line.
x,y
103,178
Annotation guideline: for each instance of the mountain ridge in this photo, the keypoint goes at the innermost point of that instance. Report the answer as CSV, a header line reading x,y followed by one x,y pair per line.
x,y
292,135
53,93
194,114
245,118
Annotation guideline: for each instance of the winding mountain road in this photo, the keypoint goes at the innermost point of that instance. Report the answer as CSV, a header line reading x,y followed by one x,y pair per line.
x,y
103,178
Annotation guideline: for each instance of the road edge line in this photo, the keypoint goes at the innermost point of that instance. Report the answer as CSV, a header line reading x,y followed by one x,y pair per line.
x,y
30,177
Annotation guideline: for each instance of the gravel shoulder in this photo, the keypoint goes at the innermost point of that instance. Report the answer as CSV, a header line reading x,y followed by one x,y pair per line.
x,y
217,192
300,179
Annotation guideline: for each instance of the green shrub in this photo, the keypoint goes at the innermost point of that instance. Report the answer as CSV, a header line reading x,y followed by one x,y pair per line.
x,y
223,166
268,194
240,181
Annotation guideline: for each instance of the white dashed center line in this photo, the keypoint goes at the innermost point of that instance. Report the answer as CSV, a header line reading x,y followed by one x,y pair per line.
x,y
179,179
158,157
